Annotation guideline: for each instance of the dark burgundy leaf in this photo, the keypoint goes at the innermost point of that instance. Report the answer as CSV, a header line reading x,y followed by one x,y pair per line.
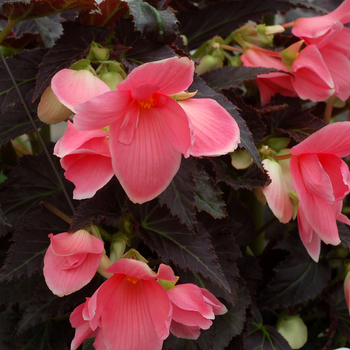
x,y
250,178
24,68
70,47
172,241
107,206
5,226
293,120
155,25
232,77
23,10
110,11
224,17
208,196
297,279
179,195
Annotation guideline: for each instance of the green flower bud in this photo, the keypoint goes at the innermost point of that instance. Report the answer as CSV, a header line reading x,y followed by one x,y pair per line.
x,y
112,79
117,250
278,143
293,329
208,63
97,53
241,159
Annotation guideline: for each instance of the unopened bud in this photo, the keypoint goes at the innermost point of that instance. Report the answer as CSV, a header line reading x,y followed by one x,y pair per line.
x,y
208,63
236,61
293,329
97,53
278,143
104,264
117,249
50,110
241,159
112,79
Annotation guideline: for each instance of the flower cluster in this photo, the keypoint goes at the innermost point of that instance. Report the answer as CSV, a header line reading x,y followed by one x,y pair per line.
x,y
135,308
316,67
148,123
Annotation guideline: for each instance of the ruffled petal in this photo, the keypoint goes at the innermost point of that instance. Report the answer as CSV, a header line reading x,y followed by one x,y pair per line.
x,y
332,139
339,67
216,131
189,297
102,110
50,110
88,172
338,172
79,242
277,193
73,139
140,270
316,180
146,167
313,80
171,75
314,27
218,307
310,239
320,215
190,318
184,332
73,87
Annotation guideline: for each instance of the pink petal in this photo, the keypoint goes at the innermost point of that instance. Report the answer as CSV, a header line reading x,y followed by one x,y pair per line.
x,y
129,326
277,193
127,130
184,332
314,27
190,318
159,307
316,180
218,307
171,75
339,67
146,167
189,297
140,270
102,110
88,172
331,139
312,78
50,110
320,215
216,131
73,87
72,139
66,281
338,172
79,242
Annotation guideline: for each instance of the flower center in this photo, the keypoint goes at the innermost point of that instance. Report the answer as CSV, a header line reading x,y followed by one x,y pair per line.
x,y
131,279
147,104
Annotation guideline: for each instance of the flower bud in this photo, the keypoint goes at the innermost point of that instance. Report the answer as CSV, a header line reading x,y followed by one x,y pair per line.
x,y
112,79
278,143
293,329
50,110
118,247
104,264
241,159
208,63
97,53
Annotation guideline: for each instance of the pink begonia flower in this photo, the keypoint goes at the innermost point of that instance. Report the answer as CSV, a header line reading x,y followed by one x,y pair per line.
x,y
193,310
272,83
130,311
277,192
314,29
321,180
71,261
86,158
149,130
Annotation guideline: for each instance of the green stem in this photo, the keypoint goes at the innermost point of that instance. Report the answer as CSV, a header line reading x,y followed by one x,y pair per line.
x,y
45,133
6,30
329,109
34,142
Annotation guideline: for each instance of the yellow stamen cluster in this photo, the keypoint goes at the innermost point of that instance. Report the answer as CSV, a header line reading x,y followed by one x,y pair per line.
x,y
147,104
131,279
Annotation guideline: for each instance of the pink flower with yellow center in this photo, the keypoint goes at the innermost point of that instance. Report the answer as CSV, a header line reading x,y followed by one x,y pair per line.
x,y
149,130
